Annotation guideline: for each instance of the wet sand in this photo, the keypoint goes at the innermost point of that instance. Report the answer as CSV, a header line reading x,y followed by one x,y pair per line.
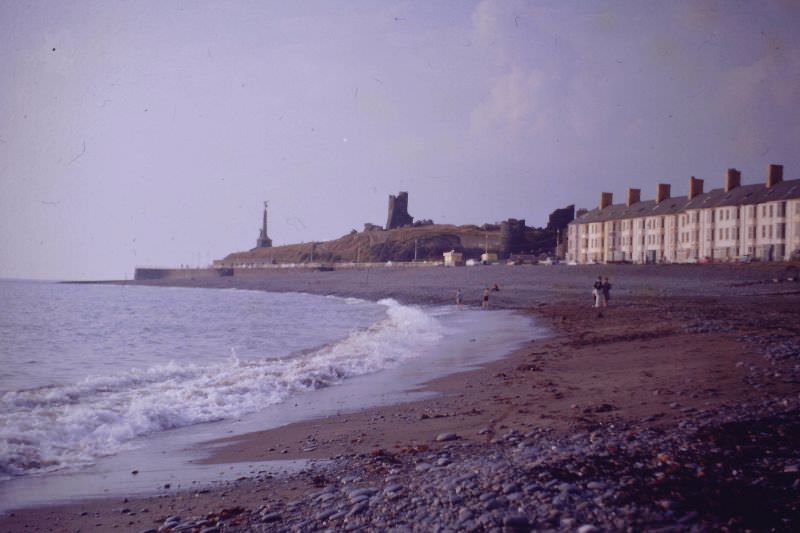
x,y
681,349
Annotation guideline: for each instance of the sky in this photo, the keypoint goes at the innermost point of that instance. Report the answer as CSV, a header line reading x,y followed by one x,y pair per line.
x,y
149,133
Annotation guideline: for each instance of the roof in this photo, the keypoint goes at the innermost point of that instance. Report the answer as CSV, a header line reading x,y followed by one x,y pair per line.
x,y
756,193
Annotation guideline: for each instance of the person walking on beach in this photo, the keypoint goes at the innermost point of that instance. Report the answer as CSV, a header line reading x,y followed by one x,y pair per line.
x,y
459,297
606,290
485,302
597,292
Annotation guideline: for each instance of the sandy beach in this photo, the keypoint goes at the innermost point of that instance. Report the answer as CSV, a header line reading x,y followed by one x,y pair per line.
x,y
674,409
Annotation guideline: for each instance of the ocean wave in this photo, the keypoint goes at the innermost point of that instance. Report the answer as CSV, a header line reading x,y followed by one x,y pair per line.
x,y
68,426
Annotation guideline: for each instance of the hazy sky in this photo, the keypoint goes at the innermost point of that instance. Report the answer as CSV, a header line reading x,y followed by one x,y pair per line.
x,y
149,132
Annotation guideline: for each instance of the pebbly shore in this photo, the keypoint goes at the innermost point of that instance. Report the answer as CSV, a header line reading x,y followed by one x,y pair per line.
x,y
675,409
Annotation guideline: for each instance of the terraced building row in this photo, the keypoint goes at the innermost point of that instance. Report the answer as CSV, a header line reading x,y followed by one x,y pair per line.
x,y
760,221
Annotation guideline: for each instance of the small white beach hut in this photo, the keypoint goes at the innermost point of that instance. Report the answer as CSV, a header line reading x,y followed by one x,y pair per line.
x,y
453,258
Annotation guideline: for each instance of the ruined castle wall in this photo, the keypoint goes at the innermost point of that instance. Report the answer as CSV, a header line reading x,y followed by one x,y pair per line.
x,y
398,212
512,236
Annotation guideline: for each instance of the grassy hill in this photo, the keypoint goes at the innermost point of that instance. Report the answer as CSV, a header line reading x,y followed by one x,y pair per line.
x,y
394,245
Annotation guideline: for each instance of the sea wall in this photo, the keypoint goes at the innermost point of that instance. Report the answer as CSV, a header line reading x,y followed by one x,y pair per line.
x,y
148,273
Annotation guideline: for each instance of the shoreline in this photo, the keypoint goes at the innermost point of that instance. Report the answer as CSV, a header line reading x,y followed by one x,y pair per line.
x,y
697,365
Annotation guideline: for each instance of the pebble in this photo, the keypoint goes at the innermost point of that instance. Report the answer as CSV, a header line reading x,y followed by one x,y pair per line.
x,y
358,509
270,517
444,437
422,467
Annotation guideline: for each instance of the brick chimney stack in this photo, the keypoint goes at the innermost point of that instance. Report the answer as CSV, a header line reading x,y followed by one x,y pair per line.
x,y
733,179
774,175
634,196
662,192
695,187
605,199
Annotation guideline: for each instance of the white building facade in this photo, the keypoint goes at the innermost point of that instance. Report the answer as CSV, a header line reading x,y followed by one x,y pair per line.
x,y
758,221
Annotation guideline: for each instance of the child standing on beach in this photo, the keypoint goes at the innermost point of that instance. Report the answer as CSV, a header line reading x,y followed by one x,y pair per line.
x,y
485,302
459,298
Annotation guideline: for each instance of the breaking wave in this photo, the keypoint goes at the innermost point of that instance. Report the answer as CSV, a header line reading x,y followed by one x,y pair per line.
x,y
71,425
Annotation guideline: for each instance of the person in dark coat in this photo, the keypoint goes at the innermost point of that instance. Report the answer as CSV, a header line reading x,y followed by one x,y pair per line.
x,y
606,290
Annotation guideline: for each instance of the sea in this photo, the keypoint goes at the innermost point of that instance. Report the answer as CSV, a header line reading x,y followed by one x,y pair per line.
x,y
96,379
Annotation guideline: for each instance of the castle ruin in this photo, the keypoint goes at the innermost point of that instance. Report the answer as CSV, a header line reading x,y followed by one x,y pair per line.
x,y
560,218
512,236
398,211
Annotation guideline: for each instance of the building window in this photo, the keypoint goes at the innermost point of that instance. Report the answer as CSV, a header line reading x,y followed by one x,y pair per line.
x,y
770,230
780,231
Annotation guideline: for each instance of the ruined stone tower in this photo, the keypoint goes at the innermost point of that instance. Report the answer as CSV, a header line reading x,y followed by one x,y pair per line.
x,y
398,211
512,236
560,218
263,239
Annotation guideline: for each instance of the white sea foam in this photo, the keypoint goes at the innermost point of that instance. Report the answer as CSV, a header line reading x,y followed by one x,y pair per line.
x,y
69,425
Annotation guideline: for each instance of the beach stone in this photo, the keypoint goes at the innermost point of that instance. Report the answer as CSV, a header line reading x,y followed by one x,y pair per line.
x,y
394,487
516,521
366,491
359,498
465,477
270,517
444,437
492,504
210,530
422,467
358,509
487,496
588,528
324,515
510,487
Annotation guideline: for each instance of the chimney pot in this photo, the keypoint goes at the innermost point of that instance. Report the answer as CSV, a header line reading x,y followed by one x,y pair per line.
x,y
662,192
606,199
695,187
634,196
774,175
733,179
